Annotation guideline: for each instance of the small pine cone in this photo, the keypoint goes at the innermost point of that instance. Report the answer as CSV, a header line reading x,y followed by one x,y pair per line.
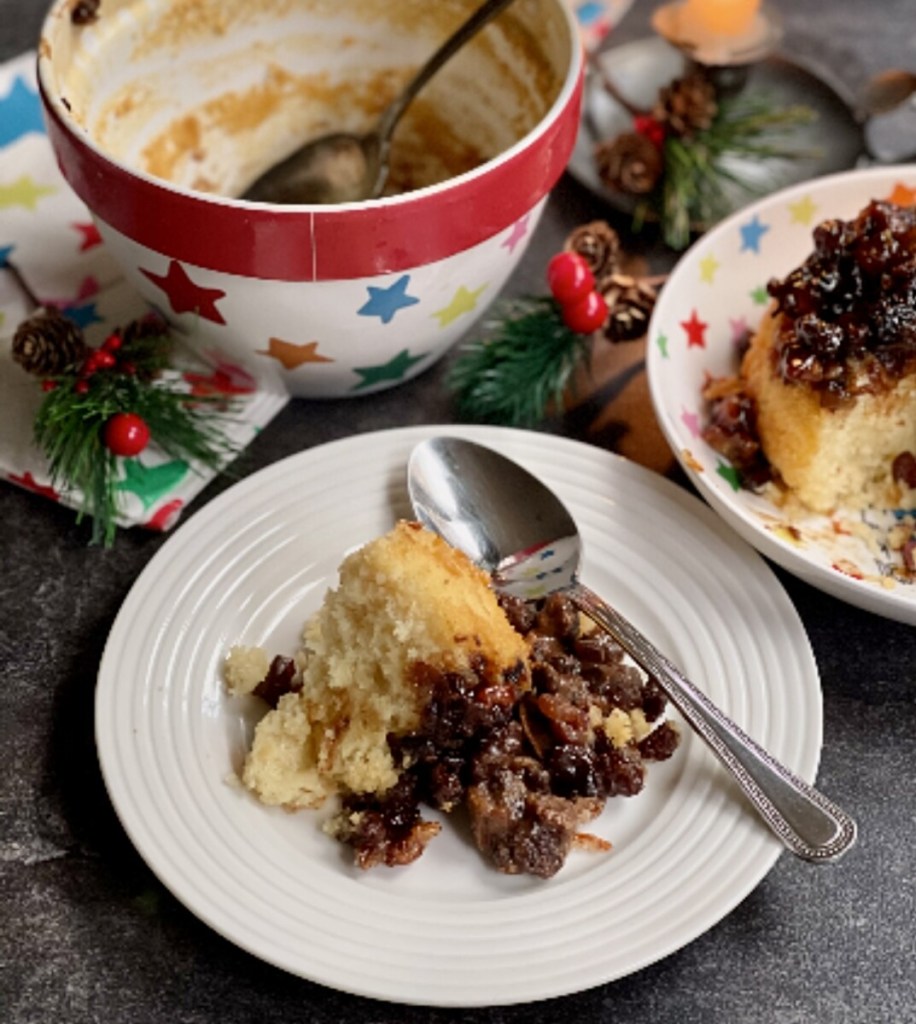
x,y
687,105
598,244
148,340
47,343
630,302
148,326
630,163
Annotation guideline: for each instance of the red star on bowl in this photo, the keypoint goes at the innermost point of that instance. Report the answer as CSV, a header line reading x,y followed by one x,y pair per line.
x,y
186,296
695,330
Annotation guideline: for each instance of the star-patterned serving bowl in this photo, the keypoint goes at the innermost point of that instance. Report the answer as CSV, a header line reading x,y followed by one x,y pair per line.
x,y
717,293
160,112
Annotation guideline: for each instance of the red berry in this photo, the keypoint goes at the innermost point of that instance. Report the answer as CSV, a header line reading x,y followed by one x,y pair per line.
x,y
49,385
81,386
113,342
651,127
569,276
586,315
126,434
99,359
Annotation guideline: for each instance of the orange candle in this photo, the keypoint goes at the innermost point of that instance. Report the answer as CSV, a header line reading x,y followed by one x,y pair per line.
x,y
719,17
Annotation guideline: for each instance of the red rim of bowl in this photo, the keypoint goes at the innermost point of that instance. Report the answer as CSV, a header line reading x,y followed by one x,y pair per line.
x,y
320,243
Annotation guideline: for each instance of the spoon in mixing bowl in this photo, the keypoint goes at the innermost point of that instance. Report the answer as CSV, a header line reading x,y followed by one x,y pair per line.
x,y
344,168
514,526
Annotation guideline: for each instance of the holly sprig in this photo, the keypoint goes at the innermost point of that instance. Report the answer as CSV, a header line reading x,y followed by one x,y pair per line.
x,y
109,405
680,161
525,360
520,367
699,171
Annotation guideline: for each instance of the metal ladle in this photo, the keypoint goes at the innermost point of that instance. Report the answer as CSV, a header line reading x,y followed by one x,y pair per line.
x,y
514,526
343,167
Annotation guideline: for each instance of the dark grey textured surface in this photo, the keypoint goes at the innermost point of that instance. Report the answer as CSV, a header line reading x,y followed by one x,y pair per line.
x,y
87,934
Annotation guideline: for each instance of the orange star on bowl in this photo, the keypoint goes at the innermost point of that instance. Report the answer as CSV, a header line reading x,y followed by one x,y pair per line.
x,y
291,355
902,195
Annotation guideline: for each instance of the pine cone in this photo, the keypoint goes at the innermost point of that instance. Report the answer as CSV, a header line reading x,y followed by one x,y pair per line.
x,y
598,244
147,340
47,343
630,163
630,302
687,105
150,326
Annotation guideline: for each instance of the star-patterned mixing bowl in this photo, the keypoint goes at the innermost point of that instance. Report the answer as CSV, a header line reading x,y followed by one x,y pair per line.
x,y
161,112
716,294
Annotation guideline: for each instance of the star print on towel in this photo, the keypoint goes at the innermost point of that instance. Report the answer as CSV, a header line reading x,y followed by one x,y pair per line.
x,y
150,483
20,112
24,192
90,235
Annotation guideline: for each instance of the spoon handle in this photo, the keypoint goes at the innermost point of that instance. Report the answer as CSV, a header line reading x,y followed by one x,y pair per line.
x,y
485,13
809,824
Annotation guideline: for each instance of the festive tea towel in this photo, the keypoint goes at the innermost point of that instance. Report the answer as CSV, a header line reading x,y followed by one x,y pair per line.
x,y
49,236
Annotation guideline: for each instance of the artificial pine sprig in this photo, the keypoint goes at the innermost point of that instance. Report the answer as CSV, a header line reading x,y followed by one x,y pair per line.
x,y
696,178
125,385
520,367
680,159
525,361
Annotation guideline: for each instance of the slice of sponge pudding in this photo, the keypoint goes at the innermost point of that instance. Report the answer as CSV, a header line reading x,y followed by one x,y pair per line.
x,y
407,607
832,367
829,457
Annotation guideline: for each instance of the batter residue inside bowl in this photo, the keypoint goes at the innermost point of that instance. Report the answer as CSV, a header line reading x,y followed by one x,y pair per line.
x,y
208,95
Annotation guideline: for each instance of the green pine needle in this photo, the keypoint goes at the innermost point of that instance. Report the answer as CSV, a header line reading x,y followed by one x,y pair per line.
x,y
520,367
693,190
69,430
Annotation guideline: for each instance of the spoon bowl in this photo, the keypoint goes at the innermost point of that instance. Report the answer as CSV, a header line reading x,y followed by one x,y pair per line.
x,y
515,527
342,167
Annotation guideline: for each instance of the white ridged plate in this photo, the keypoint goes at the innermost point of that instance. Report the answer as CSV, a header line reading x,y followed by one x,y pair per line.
x,y
447,930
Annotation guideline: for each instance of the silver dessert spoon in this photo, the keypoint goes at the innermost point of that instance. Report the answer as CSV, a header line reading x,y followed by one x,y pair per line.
x,y
342,167
509,522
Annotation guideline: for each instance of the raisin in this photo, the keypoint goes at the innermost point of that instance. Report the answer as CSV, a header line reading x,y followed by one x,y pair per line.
x,y
559,618
280,679
661,743
849,316
85,12
903,469
573,770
